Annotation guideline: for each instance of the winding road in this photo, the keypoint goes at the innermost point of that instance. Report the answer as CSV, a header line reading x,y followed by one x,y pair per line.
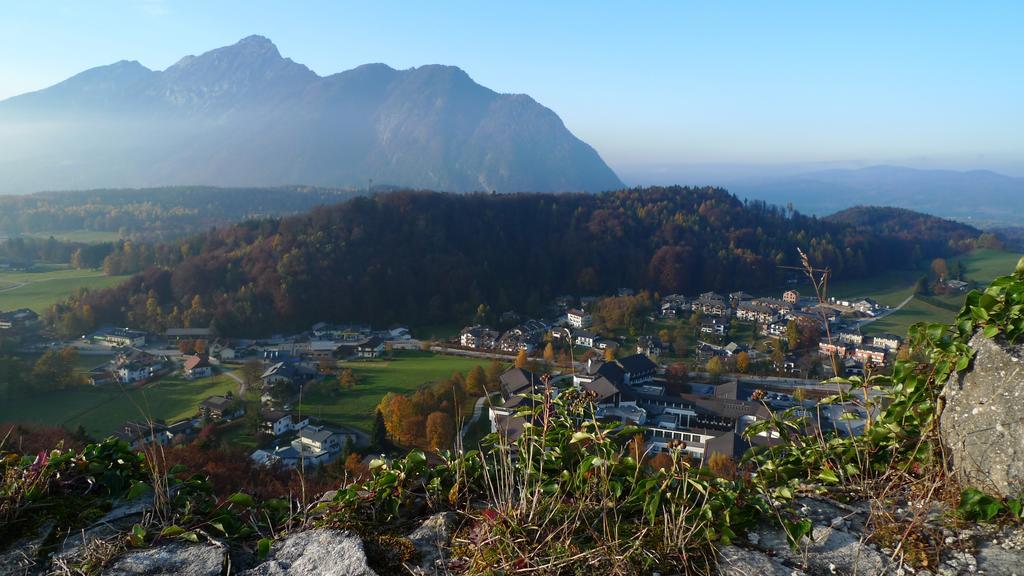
x,y
888,312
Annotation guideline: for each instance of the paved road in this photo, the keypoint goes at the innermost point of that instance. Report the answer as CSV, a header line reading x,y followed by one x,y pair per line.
x,y
906,301
477,409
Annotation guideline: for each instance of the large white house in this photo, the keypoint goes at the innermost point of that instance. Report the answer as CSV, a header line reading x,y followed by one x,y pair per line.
x,y
579,319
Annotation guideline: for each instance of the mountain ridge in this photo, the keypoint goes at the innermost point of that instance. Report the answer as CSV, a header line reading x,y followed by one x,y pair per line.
x,y
243,115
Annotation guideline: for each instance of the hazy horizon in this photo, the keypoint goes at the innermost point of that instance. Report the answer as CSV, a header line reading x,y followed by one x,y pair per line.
x,y
655,89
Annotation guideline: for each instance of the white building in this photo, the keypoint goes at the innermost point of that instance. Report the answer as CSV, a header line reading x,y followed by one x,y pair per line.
x,y
579,319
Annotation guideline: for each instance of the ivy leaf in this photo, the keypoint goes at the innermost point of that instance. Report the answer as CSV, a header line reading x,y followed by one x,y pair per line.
x,y
829,476
138,489
172,531
263,549
241,499
992,330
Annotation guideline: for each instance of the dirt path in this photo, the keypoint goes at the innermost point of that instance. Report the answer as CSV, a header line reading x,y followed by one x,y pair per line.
x,y
23,284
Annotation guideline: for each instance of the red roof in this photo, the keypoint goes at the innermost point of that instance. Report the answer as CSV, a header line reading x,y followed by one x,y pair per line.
x,y
194,362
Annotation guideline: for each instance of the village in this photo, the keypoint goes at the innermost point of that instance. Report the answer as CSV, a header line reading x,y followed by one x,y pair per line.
x,y
699,370
703,402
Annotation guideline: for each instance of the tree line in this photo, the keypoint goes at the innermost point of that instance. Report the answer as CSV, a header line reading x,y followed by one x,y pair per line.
x,y
156,213
425,258
428,418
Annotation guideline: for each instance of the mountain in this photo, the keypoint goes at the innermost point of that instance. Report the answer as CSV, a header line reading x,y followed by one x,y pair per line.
x,y
243,115
978,196
427,258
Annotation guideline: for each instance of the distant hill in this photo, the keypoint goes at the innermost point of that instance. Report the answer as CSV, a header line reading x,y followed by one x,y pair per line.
x,y
155,213
424,257
980,197
904,224
243,115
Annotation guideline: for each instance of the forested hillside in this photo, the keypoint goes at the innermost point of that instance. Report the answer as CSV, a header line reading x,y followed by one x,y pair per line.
x,y
421,257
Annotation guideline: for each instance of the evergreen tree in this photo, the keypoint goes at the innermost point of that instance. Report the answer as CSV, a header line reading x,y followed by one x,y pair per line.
x,y
379,433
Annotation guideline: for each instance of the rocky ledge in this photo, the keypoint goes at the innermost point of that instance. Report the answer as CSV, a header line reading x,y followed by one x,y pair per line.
x,y
982,421
844,541
316,551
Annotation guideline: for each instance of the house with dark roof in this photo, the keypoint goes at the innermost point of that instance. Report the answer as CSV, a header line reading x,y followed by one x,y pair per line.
x,y
373,347
176,334
278,423
121,337
585,338
321,350
225,407
136,366
673,305
288,372
515,384
752,312
637,369
735,298
139,434
711,304
18,319
594,369
717,326
478,337
314,446
651,346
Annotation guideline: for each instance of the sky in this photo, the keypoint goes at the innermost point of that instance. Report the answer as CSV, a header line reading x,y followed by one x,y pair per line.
x,y
655,87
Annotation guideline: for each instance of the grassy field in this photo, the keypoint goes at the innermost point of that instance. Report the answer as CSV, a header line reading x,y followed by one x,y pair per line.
x,y
407,372
85,363
984,265
102,410
40,290
84,236
891,288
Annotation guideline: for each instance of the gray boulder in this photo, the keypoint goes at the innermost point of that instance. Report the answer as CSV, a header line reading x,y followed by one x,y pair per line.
x,y
827,551
174,559
431,540
983,419
20,558
322,552
736,561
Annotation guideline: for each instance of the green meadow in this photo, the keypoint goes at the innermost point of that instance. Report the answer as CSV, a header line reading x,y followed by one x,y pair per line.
x,y
102,410
40,290
407,372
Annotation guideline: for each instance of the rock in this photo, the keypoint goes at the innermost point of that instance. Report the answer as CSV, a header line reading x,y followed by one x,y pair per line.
x,y
120,519
431,541
827,552
19,559
981,422
993,559
173,559
736,561
323,552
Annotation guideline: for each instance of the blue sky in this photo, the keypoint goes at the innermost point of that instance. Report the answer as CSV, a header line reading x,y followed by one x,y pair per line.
x,y
651,85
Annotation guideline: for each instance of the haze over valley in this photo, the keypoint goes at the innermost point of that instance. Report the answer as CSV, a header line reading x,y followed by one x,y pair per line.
x,y
524,288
